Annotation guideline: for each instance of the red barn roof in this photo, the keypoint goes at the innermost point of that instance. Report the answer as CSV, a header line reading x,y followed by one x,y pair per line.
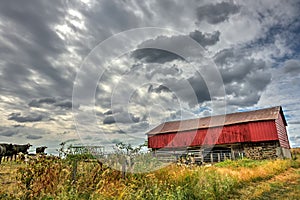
x,y
219,120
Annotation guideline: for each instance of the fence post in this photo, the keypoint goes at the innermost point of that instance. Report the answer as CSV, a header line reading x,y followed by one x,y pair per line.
x,y
219,157
211,158
124,169
74,170
232,154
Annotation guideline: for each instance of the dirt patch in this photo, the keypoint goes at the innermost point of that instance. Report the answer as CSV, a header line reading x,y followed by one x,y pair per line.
x,y
283,186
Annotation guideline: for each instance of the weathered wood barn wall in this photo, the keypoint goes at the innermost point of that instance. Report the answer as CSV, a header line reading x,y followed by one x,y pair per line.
x,y
256,134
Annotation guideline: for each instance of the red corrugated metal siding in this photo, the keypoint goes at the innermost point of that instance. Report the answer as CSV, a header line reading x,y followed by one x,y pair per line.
x,y
245,132
263,131
282,133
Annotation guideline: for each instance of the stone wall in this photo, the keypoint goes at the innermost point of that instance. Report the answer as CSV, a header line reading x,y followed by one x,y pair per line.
x,y
286,153
265,150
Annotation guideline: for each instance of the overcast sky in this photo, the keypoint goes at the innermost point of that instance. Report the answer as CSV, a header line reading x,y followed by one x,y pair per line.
x,y
53,50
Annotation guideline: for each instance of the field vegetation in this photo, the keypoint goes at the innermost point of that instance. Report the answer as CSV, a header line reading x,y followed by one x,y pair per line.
x,y
49,177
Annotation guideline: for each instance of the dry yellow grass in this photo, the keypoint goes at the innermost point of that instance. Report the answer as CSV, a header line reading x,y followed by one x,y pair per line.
x,y
8,181
244,174
296,150
264,189
247,179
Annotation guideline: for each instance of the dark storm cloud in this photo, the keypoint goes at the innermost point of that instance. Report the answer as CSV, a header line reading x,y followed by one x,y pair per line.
x,y
35,20
109,112
121,132
192,90
64,104
34,137
207,39
39,102
216,13
151,55
292,67
159,89
247,91
259,80
28,118
109,15
200,88
294,122
121,117
13,77
240,69
133,118
22,132
109,120
224,56
166,70
56,102
18,125
139,127
31,44
8,133
244,78
115,141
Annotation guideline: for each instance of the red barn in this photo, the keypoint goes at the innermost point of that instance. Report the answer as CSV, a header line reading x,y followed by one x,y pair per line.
x,y
255,134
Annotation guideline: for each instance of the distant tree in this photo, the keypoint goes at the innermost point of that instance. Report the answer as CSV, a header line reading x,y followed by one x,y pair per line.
x,y
128,149
61,151
126,154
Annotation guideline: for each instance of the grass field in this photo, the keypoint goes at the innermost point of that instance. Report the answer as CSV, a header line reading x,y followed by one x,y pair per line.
x,y
50,178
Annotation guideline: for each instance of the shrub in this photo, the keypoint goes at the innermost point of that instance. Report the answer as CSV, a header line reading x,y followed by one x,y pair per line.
x,y
43,175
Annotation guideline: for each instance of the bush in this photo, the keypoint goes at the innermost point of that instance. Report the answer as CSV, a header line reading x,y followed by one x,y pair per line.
x,y
43,175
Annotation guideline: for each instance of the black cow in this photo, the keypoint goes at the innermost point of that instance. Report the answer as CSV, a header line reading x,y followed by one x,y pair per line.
x,y
20,148
2,151
6,150
40,150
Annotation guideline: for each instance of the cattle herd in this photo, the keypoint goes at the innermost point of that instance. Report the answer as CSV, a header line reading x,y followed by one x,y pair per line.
x,y
10,151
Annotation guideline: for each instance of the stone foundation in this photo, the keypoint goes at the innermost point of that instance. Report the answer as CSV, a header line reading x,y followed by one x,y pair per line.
x,y
255,150
286,153
259,151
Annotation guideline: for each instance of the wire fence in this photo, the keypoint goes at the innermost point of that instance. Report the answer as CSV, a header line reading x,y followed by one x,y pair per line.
x,y
197,156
